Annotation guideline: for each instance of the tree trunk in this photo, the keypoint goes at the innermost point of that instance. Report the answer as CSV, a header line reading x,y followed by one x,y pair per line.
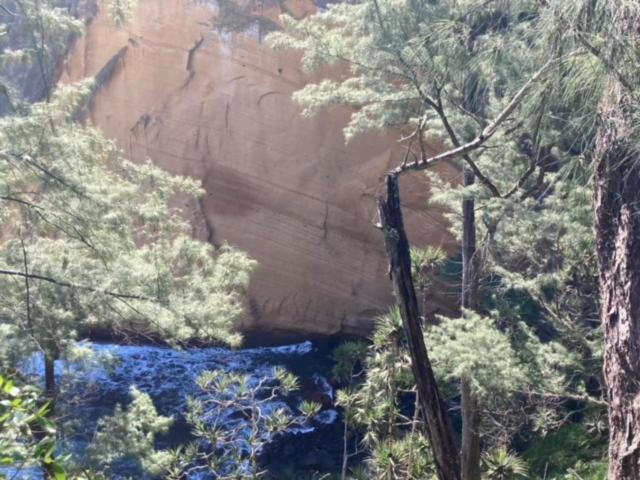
x,y
439,431
617,233
345,451
470,287
50,381
470,447
50,396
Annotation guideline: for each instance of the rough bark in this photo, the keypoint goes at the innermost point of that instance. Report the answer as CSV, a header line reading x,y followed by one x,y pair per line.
x,y
439,431
470,445
617,233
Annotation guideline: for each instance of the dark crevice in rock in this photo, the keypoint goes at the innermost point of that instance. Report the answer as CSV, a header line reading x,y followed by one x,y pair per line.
x,y
325,231
192,52
101,79
211,233
108,70
267,94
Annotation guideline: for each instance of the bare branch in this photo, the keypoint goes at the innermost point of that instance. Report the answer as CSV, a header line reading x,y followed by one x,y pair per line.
x,y
8,11
26,284
484,136
454,139
62,283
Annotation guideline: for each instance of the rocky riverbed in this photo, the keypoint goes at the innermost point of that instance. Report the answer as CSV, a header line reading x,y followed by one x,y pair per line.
x,y
168,376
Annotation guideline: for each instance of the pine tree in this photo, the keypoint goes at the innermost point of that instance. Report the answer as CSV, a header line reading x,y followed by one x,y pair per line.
x,y
617,225
90,240
483,79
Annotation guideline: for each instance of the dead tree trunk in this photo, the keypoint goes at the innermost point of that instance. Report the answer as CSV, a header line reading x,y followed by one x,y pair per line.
x,y
617,233
445,453
470,447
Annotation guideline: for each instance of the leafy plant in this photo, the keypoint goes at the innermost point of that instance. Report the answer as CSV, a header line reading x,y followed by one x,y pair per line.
x,y
309,409
347,356
376,406
230,447
27,435
130,433
500,464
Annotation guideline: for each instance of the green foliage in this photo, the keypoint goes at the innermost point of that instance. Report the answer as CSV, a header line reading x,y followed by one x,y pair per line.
x,y
408,458
121,11
569,448
501,464
537,255
426,262
472,347
440,72
426,259
27,435
232,447
399,51
288,381
347,356
99,242
93,240
596,470
309,408
388,329
130,433
33,36
373,408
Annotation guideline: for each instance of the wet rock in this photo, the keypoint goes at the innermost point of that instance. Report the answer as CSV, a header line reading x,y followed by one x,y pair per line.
x,y
168,376
317,459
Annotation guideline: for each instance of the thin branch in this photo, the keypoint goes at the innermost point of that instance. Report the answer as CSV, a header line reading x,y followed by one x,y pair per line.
x,y
9,12
20,201
534,159
484,136
62,283
454,139
76,234
568,396
410,72
22,157
26,284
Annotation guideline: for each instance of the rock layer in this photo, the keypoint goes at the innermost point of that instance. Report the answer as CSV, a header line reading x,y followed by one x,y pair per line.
x,y
216,105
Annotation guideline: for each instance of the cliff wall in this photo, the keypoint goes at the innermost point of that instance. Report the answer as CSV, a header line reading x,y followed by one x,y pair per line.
x,y
215,104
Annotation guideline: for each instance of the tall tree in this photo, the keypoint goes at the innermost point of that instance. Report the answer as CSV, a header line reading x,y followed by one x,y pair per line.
x,y
397,246
617,230
91,240
481,78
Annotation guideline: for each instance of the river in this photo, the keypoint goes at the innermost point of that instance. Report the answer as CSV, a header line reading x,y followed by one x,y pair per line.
x,y
168,376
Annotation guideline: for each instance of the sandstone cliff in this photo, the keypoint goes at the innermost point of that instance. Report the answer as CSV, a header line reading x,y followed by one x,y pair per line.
x,y
202,101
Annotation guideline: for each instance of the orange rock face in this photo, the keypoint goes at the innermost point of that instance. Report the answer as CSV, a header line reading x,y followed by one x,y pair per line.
x,y
217,106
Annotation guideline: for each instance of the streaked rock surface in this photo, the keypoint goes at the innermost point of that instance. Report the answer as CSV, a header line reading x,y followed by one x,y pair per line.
x,y
216,105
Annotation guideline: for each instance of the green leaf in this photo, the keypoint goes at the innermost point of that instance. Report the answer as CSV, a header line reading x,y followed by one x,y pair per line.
x,y
44,450
58,472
